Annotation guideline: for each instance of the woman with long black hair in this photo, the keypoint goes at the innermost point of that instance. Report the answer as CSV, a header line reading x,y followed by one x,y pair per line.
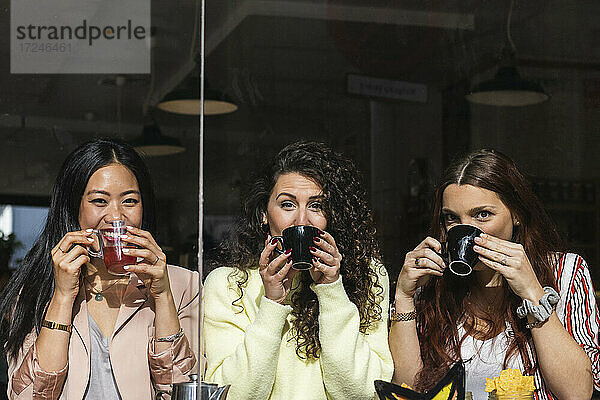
x,y
273,332
74,330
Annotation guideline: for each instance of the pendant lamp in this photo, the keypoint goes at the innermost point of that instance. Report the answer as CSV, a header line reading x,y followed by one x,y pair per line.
x,y
507,88
153,143
185,99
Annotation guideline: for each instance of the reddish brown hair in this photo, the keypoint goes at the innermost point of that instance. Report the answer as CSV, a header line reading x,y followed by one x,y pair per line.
x,y
442,304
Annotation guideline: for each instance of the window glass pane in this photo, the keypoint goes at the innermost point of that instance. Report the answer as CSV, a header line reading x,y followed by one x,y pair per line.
x,y
385,83
26,223
73,71
55,100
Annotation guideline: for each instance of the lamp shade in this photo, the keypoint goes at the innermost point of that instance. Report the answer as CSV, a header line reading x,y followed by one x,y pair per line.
x,y
185,99
153,143
507,89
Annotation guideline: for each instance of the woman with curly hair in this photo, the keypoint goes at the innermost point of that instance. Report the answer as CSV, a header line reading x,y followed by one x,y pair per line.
x,y
272,332
528,305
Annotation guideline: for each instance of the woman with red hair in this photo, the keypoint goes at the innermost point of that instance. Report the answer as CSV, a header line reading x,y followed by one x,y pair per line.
x,y
492,320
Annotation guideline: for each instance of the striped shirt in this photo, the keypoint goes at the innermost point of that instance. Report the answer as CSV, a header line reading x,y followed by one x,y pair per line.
x,y
578,312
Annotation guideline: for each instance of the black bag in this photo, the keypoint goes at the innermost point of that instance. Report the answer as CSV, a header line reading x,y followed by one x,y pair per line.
x,y
454,380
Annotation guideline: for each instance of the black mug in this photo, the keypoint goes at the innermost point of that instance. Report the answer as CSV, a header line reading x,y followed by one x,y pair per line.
x,y
299,239
460,240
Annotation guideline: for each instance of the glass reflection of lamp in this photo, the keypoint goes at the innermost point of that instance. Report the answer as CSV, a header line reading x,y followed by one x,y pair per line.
x,y
185,99
153,143
507,88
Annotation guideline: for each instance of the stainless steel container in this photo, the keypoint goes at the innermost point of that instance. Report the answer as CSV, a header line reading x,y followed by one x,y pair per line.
x,y
186,390
189,390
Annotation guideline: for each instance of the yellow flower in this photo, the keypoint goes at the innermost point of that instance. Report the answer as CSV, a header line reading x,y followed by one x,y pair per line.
x,y
510,380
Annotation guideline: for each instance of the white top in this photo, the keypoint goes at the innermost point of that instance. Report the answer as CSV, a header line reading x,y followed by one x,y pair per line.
x,y
483,359
577,312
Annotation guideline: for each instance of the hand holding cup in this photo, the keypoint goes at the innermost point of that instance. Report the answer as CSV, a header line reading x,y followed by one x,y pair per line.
x,y
276,272
151,265
68,256
419,266
510,260
327,259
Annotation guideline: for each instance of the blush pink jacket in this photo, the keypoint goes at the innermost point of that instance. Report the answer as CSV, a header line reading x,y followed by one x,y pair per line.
x,y
137,369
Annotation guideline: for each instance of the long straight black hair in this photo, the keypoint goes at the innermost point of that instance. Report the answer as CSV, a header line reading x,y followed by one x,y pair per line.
x,y
24,300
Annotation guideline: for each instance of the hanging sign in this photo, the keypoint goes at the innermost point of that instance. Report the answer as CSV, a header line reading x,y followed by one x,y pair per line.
x,y
386,89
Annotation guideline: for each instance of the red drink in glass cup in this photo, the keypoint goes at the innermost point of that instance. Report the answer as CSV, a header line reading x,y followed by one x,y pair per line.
x,y
111,247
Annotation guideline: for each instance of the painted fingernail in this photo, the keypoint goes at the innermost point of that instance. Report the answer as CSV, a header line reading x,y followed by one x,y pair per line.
x,y
476,248
484,235
289,260
129,227
321,232
125,250
123,236
288,251
274,241
91,240
316,239
316,259
90,230
312,248
126,267
478,240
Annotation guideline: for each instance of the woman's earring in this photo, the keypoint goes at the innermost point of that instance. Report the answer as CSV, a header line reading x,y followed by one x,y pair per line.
x,y
517,223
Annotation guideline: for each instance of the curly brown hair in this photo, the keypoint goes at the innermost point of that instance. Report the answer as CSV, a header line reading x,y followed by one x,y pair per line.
x,y
443,303
349,221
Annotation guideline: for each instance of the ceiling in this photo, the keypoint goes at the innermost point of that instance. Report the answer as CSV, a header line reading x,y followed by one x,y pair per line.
x,y
68,101
288,59
284,62
254,48
439,42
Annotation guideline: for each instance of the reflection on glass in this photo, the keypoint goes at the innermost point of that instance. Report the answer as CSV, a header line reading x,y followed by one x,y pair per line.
x,y
75,71
385,83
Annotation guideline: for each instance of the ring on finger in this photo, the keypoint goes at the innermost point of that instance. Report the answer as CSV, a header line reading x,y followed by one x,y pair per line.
x,y
417,261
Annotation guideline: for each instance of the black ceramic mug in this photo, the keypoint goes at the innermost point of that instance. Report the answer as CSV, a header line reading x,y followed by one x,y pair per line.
x,y
298,238
460,240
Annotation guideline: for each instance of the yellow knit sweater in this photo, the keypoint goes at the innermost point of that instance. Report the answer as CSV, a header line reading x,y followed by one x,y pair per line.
x,y
251,350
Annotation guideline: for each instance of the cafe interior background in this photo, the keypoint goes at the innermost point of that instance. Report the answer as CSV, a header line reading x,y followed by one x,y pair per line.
x,y
383,81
